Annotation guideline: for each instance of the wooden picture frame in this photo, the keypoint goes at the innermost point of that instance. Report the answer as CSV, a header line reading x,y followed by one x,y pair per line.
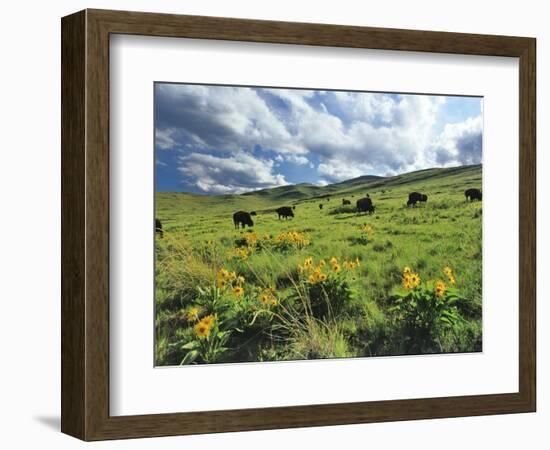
x,y
85,224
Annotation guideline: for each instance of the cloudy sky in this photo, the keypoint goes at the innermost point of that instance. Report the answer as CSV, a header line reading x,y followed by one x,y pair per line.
x,y
224,139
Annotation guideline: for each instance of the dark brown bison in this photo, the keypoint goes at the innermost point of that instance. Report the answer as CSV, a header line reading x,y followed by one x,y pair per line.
x,y
472,194
415,197
285,211
253,213
345,202
365,205
320,206
242,218
158,227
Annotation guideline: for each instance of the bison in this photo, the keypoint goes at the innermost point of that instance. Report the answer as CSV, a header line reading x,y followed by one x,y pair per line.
x,y
242,218
345,202
415,197
285,211
158,227
365,205
472,194
320,206
253,213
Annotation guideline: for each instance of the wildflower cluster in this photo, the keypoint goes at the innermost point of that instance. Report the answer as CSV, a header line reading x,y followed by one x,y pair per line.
x,y
203,327
410,280
267,298
292,238
316,273
449,273
251,239
368,230
240,252
225,279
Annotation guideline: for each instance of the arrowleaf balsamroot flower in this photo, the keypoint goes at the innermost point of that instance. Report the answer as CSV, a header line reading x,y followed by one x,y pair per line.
x,y
238,291
440,288
192,314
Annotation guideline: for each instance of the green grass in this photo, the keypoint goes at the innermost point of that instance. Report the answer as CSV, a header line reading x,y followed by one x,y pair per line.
x,y
199,237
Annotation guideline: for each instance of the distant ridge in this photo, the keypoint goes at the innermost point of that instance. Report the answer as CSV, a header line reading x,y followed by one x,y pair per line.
x,y
293,193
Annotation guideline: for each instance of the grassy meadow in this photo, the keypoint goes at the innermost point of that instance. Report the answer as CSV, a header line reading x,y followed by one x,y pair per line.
x,y
328,283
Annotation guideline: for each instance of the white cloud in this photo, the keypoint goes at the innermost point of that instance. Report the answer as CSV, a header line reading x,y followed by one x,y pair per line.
x,y
297,159
222,118
164,139
348,134
356,133
459,143
235,174
336,170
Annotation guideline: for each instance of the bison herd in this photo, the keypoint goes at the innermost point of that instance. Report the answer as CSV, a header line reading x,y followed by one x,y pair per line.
x,y
363,205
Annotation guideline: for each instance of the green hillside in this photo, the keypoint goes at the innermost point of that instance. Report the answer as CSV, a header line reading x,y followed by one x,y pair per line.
x,y
359,311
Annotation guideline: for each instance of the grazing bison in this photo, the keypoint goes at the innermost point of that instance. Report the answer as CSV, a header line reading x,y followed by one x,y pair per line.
x,y
285,211
242,218
472,194
320,206
253,213
158,227
345,202
415,197
365,205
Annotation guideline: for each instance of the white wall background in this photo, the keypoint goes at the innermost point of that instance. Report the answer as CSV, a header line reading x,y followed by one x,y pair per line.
x,y
30,231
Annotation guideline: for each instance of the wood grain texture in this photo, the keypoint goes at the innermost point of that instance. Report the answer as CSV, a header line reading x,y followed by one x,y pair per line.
x,y
85,224
73,109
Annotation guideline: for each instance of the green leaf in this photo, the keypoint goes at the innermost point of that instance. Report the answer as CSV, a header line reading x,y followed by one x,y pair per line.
x,y
191,345
189,357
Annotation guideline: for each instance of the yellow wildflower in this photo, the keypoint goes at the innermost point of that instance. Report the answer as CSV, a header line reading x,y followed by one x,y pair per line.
x,y
322,263
238,291
336,268
407,270
367,229
440,288
449,272
267,298
334,260
221,283
208,320
223,274
251,239
202,329
414,279
308,262
322,277
192,314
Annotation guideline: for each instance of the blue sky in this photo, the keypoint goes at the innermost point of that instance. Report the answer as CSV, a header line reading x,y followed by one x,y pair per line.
x,y
228,139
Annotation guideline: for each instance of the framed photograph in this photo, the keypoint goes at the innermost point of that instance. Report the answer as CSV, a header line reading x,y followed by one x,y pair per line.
x,y
273,225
